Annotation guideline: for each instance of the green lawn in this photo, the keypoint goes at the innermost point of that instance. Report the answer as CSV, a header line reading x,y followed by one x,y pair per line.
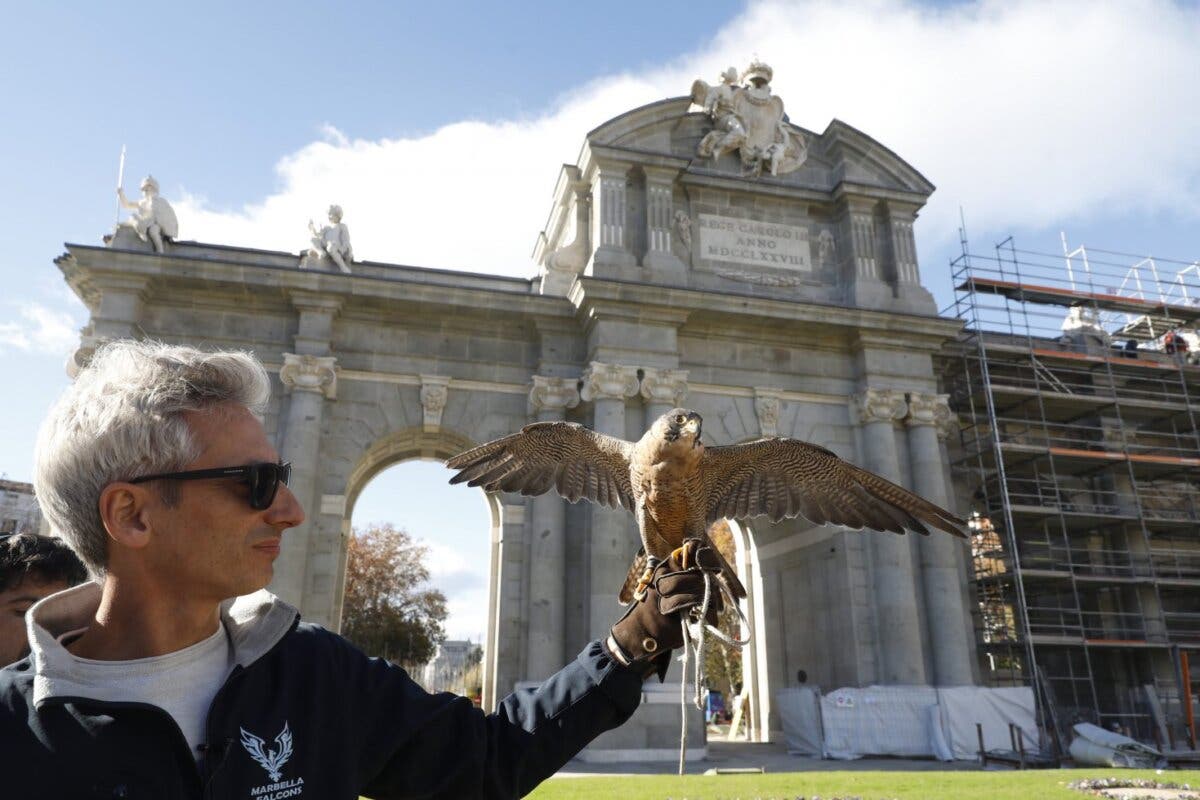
x,y
1039,784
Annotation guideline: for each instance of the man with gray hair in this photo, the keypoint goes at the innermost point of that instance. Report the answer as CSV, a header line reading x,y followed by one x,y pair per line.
x,y
176,674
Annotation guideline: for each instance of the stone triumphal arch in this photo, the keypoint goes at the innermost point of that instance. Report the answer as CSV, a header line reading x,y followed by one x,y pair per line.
x,y
701,251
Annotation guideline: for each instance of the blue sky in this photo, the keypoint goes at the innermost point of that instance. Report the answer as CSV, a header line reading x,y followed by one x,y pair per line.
x,y
440,128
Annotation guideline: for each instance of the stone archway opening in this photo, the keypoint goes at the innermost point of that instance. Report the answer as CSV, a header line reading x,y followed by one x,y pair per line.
x,y
756,686
402,480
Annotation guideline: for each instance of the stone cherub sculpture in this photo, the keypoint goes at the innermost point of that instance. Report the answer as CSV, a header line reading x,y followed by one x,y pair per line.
x,y
749,119
331,242
153,218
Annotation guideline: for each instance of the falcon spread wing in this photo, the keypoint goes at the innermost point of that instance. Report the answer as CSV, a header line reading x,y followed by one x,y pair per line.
x,y
787,478
577,462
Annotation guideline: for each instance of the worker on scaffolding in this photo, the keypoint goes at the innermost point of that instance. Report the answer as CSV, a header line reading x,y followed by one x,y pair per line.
x,y
1175,344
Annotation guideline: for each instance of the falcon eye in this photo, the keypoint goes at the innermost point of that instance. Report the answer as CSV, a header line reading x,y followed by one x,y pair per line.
x,y
681,419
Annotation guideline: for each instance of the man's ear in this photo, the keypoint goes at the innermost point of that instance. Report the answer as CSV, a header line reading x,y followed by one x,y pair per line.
x,y
124,512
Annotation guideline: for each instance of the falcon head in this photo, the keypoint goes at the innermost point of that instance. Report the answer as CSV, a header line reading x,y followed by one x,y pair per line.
x,y
679,425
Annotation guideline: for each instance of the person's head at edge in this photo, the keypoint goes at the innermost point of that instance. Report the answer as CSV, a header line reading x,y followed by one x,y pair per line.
x,y
31,567
168,551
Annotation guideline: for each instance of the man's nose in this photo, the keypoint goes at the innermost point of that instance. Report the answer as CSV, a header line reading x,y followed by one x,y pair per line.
x,y
286,511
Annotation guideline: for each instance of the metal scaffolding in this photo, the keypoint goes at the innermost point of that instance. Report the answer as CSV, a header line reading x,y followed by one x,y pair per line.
x,y
1077,383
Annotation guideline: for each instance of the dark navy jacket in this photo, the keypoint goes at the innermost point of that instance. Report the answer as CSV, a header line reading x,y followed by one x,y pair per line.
x,y
311,717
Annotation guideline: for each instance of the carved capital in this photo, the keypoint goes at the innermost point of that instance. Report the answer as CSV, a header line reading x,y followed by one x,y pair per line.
x,y
434,391
608,382
767,403
880,405
664,385
553,394
927,409
933,409
306,373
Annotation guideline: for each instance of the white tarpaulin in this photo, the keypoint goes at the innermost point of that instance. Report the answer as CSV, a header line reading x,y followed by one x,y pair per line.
x,y
877,720
961,707
800,711
905,721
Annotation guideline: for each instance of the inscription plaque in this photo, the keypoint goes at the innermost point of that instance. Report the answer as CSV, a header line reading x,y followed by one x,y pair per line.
x,y
756,244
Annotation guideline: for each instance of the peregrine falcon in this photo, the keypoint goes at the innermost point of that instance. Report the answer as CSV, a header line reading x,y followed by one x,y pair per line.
x,y
677,487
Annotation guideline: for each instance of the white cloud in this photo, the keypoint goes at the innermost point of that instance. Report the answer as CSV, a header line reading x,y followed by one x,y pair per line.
x,y
39,329
467,617
451,571
1025,113
464,582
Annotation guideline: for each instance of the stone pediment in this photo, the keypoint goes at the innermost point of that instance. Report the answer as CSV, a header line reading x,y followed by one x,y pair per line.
x,y
699,192
862,159
674,129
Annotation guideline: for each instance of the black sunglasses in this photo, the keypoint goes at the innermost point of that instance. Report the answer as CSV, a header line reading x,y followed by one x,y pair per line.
x,y
263,479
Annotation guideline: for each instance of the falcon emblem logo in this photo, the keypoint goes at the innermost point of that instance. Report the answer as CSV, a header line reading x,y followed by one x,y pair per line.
x,y
271,759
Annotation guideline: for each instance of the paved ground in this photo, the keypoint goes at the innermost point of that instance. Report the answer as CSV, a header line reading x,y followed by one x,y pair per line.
x,y
771,757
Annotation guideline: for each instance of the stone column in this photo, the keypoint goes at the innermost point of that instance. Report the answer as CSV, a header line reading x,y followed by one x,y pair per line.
x,y
864,267
307,567
309,381
548,400
897,626
609,233
862,242
662,389
904,246
945,605
660,220
613,537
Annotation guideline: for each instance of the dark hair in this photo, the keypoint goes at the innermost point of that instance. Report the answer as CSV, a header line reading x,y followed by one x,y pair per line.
x,y
42,557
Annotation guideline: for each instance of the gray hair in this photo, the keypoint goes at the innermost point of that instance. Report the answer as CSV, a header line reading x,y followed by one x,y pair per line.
x,y
122,418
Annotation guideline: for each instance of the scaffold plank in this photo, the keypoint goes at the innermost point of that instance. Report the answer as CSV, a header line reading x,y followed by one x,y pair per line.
x,y
1062,296
1135,457
1122,361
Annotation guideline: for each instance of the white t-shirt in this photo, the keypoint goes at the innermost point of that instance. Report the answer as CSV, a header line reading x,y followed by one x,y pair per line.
x,y
182,683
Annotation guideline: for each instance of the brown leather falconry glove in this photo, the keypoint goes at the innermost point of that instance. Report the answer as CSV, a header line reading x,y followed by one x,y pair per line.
x,y
649,629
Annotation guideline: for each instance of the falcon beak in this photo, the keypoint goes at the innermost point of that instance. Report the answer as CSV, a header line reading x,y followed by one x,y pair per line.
x,y
692,426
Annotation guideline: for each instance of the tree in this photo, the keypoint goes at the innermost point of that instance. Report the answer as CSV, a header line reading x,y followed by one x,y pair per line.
x,y
389,609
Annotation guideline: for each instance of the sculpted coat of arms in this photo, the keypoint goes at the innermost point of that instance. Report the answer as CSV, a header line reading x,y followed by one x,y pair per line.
x,y
749,119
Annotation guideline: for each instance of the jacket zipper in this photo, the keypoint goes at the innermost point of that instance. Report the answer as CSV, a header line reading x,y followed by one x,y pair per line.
x,y
211,768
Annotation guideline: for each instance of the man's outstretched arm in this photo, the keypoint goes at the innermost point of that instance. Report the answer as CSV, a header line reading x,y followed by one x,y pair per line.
x,y
440,745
